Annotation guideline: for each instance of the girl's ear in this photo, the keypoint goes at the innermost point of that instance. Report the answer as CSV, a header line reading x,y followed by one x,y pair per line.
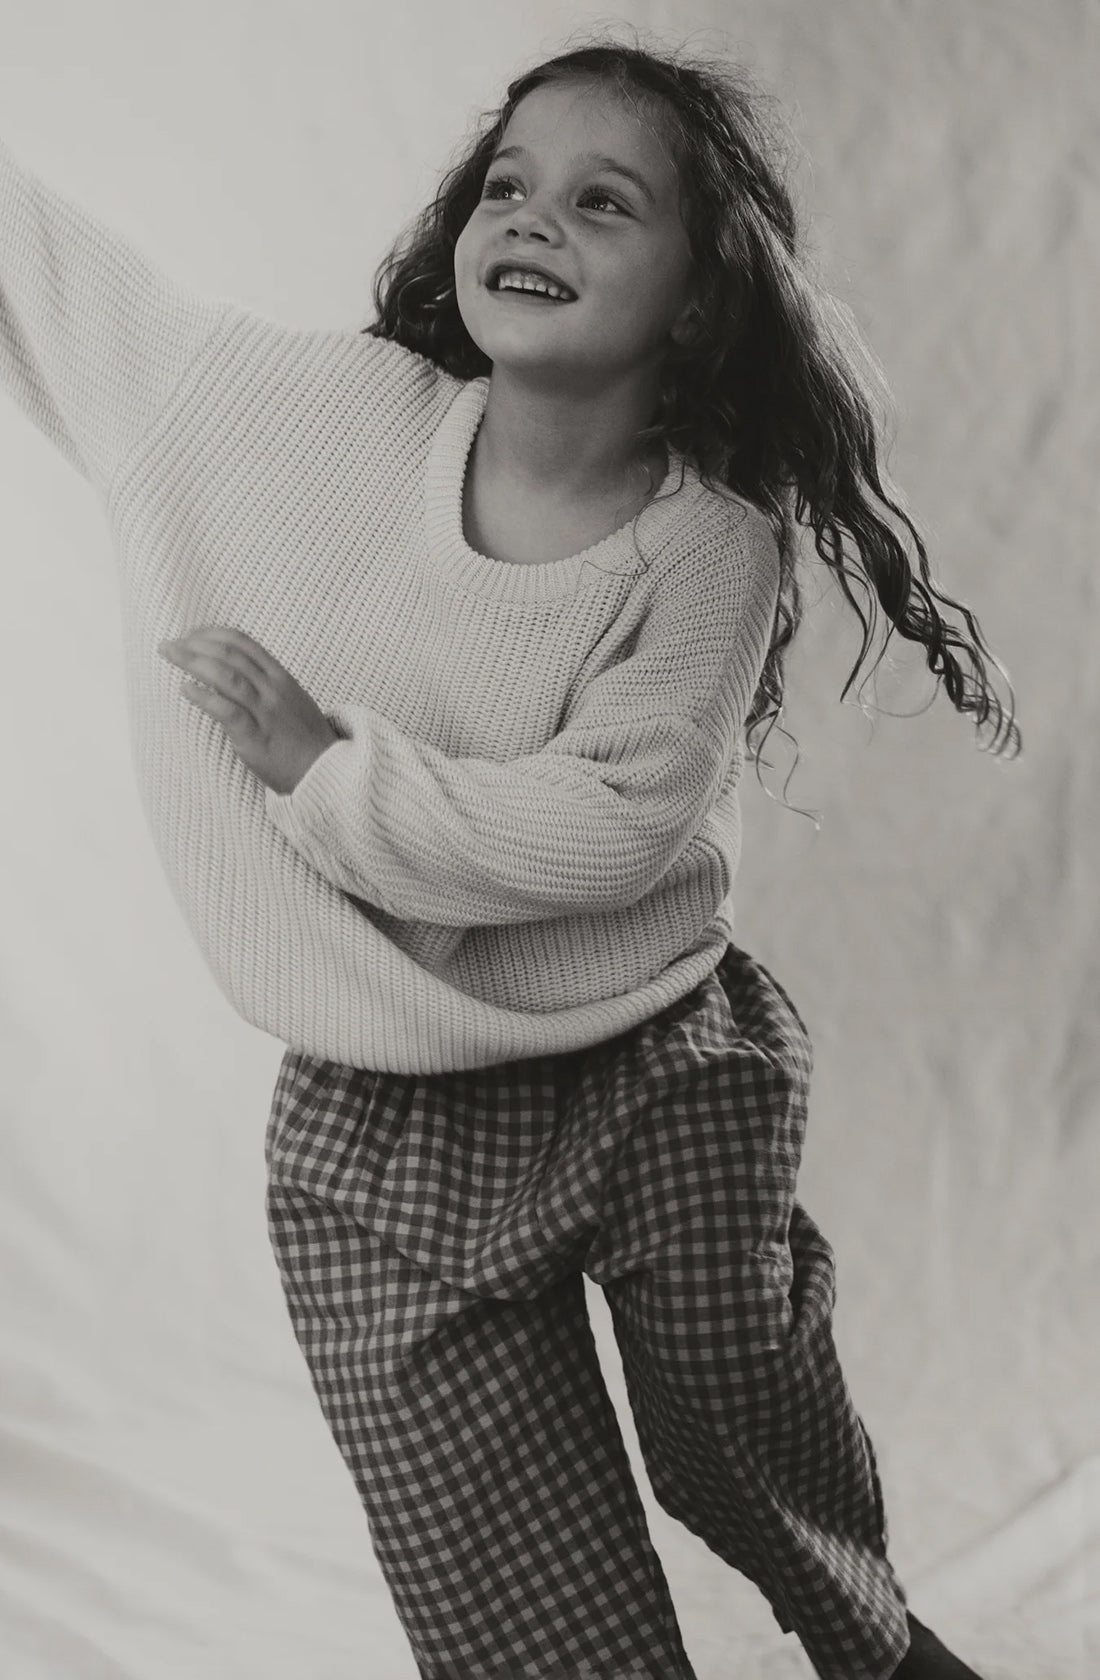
x,y
686,325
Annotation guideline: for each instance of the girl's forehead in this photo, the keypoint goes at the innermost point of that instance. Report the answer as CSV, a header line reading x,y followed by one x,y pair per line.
x,y
583,116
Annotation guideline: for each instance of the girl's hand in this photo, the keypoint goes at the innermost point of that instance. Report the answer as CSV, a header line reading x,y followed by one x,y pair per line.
x,y
274,725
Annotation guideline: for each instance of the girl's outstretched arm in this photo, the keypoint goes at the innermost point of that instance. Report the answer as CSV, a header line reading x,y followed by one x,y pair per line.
x,y
93,339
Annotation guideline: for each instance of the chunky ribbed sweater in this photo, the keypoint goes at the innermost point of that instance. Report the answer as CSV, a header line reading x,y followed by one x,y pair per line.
x,y
525,840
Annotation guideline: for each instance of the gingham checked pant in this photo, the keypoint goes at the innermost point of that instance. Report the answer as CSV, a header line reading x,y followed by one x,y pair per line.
x,y
431,1233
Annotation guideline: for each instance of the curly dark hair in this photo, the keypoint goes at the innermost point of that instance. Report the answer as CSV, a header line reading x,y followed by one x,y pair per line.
x,y
774,392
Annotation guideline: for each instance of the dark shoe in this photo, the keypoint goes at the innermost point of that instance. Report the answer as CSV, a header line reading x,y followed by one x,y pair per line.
x,y
928,1657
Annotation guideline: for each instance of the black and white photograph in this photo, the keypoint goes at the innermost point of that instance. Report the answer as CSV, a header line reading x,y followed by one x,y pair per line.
x,y
549,922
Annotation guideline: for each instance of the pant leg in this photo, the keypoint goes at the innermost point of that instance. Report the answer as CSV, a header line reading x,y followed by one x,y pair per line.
x,y
721,1291
499,1497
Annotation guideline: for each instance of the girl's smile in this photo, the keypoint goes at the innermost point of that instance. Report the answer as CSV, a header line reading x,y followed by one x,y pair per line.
x,y
506,280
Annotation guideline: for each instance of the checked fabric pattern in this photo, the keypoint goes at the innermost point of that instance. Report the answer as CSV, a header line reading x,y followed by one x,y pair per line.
x,y
431,1232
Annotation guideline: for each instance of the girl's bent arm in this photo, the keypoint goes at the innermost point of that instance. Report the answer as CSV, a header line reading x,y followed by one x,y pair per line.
x,y
594,819
93,339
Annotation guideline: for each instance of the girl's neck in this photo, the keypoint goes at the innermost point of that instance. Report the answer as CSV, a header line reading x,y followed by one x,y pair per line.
x,y
551,440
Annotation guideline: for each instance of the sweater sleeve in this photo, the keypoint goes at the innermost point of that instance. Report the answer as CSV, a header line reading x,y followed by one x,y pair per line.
x,y
93,339
594,819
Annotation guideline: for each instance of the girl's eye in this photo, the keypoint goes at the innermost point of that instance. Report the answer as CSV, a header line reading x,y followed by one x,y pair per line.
x,y
503,187
601,197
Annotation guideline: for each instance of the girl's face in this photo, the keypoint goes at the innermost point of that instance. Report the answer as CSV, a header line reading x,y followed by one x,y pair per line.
x,y
582,194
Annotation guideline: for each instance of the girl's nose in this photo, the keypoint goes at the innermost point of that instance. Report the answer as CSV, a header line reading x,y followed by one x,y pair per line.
x,y
531,220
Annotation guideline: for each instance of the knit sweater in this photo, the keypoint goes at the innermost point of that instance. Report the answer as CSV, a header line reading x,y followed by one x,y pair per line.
x,y
525,839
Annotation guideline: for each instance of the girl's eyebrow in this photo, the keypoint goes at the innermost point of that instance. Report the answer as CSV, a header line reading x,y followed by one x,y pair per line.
x,y
592,160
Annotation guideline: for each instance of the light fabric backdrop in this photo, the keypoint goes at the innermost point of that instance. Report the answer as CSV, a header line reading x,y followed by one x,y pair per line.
x,y
173,1508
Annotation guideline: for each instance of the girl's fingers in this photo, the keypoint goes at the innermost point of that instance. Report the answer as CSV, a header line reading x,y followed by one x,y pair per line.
x,y
253,650
216,643
226,679
225,711
222,667
239,646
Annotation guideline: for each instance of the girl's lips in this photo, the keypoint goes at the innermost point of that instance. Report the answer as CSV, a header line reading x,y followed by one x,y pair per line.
x,y
526,297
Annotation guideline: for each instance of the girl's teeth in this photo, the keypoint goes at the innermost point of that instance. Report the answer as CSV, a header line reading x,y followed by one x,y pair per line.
x,y
516,281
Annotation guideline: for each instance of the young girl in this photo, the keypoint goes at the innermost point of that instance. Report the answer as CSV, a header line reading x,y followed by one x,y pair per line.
x,y
528,546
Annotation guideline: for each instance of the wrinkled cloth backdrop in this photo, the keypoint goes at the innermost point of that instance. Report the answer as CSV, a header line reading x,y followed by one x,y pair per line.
x,y
173,1505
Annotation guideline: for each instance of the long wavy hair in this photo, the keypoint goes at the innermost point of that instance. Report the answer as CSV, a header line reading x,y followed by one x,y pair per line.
x,y
773,394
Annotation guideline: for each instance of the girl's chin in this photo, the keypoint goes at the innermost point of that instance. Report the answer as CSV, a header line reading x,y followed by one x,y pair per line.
x,y
533,351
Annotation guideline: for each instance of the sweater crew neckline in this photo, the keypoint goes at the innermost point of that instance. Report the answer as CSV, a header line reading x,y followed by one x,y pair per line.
x,y
614,556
